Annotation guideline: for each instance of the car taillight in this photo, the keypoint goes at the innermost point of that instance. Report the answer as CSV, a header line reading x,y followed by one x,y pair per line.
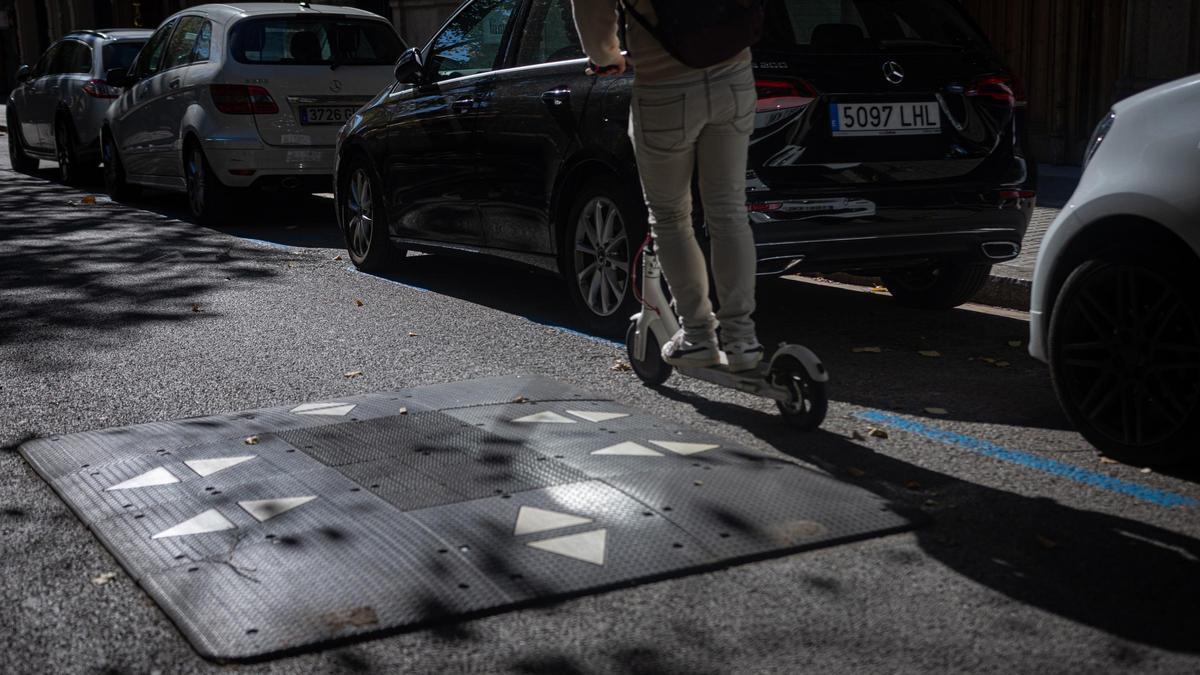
x,y
100,89
781,94
243,99
1002,88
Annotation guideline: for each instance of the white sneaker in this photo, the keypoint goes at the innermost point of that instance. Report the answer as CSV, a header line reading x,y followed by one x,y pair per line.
x,y
744,355
679,351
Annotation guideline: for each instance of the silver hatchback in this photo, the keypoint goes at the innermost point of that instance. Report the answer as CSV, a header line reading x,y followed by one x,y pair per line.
x,y
57,109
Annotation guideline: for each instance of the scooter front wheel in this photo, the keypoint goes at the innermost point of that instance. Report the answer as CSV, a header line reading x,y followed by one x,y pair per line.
x,y
809,399
652,370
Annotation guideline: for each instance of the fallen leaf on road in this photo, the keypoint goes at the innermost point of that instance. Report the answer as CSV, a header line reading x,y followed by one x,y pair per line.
x,y
987,359
855,471
854,435
337,257
879,289
1014,343
359,303
520,399
353,374
867,350
933,354
102,579
251,440
1002,364
621,366
1147,470
937,411
912,485
196,307
89,199
1108,460
877,433
1046,542
404,411
931,502
411,334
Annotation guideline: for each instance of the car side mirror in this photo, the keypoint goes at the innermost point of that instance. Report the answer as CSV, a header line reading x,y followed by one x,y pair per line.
x,y
22,73
410,69
117,77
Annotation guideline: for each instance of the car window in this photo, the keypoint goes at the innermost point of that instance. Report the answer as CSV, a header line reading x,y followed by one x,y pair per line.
x,y
315,41
470,44
867,25
72,57
183,42
42,67
549,34
121,54
203,43
150,58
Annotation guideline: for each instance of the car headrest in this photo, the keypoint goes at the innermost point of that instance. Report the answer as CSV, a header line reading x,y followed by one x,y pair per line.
x,y
305,46
836,35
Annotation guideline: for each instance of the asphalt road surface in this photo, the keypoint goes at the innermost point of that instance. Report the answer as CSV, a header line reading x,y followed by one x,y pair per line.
x,y
1038,557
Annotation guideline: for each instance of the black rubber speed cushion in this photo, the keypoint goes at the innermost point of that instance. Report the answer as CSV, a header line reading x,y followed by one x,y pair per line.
x,y
416,498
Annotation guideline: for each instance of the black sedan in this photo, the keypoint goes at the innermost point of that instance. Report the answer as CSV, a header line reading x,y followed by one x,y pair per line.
x,y
889,140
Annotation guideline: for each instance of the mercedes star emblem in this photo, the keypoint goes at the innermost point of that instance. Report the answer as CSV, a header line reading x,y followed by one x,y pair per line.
x,y
893,72
336,85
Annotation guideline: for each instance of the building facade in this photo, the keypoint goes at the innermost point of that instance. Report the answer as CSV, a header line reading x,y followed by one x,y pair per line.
x,y
1075,57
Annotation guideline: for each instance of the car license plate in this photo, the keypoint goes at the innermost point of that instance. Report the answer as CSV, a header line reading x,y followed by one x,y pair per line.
x,y
326,114
885,119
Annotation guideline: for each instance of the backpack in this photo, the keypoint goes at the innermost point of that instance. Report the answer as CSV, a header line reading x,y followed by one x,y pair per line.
x,y
703,33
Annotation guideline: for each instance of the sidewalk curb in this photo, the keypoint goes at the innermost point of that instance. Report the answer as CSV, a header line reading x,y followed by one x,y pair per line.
x,y
1007,292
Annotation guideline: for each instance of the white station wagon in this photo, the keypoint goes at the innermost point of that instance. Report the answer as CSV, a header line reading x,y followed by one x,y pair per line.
x,y
225,97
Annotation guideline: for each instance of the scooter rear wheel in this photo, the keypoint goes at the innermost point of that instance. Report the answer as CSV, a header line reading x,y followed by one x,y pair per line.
x,y
809,401
652,370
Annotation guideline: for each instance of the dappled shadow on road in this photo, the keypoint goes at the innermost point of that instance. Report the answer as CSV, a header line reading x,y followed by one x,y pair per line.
x,y
1127,578
73,270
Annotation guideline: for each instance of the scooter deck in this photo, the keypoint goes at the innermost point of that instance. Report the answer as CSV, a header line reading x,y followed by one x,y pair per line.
x,y
757,381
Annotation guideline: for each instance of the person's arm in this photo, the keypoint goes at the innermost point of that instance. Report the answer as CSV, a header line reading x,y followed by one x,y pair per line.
x,y
597,23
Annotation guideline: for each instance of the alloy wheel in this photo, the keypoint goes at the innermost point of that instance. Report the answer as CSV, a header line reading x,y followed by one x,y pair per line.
x,y
1130,355
196,180
602,256
360,223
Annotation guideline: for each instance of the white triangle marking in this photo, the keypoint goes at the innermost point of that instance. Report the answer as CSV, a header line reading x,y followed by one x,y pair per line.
x,y
628,449
207,467
588,546
530,520
545,418
334,409
266,509
596,416
680,448
159,476
209,521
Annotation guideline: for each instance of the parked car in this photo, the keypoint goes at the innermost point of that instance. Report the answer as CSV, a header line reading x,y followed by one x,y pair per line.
x,y
226,97
56,110
889,139
1114,311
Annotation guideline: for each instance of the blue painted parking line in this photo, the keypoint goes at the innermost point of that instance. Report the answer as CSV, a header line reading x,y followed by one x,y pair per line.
x,y
570,331
268,244
1028,460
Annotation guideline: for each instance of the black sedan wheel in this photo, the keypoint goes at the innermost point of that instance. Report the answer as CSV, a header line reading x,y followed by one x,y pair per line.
x,y
20,161
1124,347
603,234
941,285
364,223
114,171
209,200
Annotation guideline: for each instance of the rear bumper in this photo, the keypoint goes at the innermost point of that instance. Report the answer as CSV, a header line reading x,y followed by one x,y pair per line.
x,y
863,237
244,163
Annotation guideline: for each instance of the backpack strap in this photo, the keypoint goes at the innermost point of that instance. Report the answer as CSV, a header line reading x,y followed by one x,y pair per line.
x,y
641,18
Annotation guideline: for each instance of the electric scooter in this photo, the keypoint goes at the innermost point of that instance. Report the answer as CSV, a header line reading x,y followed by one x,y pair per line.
x,y
794,377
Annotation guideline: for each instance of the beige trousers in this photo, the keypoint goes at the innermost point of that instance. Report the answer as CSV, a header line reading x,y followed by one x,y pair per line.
x,y
703,123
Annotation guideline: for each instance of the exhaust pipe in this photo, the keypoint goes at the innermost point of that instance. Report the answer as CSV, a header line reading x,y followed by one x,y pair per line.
x,y
289,183
1000,250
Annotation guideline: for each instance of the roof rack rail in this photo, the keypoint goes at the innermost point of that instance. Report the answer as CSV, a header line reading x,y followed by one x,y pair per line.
x,y
89,32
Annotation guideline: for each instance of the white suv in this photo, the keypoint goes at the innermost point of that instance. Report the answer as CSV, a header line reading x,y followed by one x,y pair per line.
x,y
1115,310
224,97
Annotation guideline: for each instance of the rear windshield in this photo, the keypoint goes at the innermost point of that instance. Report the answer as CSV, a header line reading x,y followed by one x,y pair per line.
x,y
120,54
314,41
868,25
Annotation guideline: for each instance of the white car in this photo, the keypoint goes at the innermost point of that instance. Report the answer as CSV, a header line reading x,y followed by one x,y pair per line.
x,y
1115,307
224,97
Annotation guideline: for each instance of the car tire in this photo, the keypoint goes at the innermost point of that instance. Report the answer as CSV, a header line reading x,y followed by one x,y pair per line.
x,y
114,171
71,169
1122,345
942,285
21,162
209,200
363,216
605,227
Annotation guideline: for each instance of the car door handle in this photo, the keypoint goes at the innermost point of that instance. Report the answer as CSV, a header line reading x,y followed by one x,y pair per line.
x,y
463,105
557,97
174,84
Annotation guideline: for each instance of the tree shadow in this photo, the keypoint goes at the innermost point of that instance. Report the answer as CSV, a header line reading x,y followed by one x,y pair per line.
x,y
1124,577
